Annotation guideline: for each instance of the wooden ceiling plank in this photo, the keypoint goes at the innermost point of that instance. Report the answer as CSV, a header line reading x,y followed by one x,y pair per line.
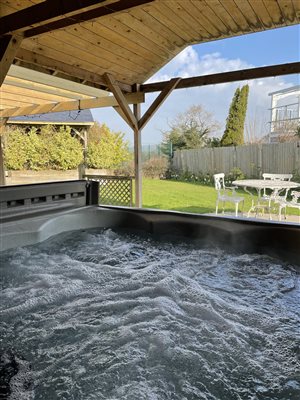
x,y
210,17
93,48
225,77
262,13
9,45
199,30
223,14
158,102
296,4
86,16
73,72
157,39
110,101
91,35
54,81
106,31
180,26
48,44
158,27
274,11
121,99
242,14
135,36
91,64
168,22
288,10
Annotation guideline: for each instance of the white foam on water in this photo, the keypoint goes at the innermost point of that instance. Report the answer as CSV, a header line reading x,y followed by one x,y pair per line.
x,y
112,315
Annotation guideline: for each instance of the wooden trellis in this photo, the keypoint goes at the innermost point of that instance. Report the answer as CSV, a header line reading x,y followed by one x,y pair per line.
x,y
113,190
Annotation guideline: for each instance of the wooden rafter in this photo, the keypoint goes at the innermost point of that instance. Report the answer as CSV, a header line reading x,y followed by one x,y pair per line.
x,y
9,45
225,77
40,88
43,12
121,99
54,81
108,101
168,89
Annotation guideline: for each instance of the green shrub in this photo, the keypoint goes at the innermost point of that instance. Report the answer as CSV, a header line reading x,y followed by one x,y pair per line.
x,y
155,167
48,149
64,151
235,174
15,151
127,169
106,149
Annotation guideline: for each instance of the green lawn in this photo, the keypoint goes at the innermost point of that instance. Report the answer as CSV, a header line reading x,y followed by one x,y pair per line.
x,y
183,196
187,197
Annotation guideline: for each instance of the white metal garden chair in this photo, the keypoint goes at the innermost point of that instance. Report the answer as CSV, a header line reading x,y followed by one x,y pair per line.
x,y
277,195
294,203
226,194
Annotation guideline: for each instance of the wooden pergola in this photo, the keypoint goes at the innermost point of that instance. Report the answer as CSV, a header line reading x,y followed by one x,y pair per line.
x,y
60,55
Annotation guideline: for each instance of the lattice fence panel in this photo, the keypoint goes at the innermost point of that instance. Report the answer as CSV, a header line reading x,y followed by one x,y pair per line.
x,y
114,190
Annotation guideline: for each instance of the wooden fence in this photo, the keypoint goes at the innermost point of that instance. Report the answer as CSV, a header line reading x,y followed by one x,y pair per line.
x,y
253,159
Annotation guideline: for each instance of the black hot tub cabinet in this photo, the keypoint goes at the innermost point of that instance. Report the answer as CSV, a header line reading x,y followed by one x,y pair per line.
x,y
32,213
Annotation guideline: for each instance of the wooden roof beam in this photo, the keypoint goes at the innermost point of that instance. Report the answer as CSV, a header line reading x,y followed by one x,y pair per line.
x,y
109,101
42,12
9,45
225,77
168,89
54,81
122,101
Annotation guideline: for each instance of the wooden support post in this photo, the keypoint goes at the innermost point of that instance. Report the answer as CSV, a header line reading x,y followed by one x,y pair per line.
x,y
9,46
137,155
2,169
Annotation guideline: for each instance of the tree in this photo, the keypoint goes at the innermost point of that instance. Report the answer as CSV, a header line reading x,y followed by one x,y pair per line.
x,y
106,149
190,130
234,131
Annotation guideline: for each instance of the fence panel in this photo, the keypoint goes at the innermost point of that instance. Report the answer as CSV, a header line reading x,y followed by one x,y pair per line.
x,y
113,190
253,160
248,159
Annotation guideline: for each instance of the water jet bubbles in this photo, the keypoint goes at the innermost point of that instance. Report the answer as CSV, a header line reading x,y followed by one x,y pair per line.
x,y
109,314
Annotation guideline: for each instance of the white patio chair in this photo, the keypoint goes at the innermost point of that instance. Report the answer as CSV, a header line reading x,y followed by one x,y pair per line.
x,y
294,203
226,194
276,195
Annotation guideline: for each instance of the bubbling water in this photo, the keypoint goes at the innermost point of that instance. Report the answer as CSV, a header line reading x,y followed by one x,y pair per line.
x,y
113,315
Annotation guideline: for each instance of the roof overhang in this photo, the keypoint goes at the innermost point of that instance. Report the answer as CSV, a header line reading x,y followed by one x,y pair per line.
x,y
63,52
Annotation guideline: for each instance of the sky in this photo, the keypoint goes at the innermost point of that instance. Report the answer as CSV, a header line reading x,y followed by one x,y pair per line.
x,y
275,46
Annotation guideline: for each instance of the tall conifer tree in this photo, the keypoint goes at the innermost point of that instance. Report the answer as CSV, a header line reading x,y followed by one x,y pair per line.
x,y
234,131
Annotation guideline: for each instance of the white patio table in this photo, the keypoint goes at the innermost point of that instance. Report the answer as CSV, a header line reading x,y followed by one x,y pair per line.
x,y
259,185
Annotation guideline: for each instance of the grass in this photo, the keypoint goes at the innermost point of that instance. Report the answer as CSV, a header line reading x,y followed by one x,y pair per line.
x,y
183,196
187,197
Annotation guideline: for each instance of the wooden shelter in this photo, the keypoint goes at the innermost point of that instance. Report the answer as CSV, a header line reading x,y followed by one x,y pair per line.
x,y
60,55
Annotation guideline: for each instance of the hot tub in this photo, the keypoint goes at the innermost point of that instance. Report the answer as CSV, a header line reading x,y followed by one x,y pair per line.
x,y
32,213
119,303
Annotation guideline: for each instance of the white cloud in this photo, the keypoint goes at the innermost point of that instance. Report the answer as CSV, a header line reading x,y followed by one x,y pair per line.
x,y
215,98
